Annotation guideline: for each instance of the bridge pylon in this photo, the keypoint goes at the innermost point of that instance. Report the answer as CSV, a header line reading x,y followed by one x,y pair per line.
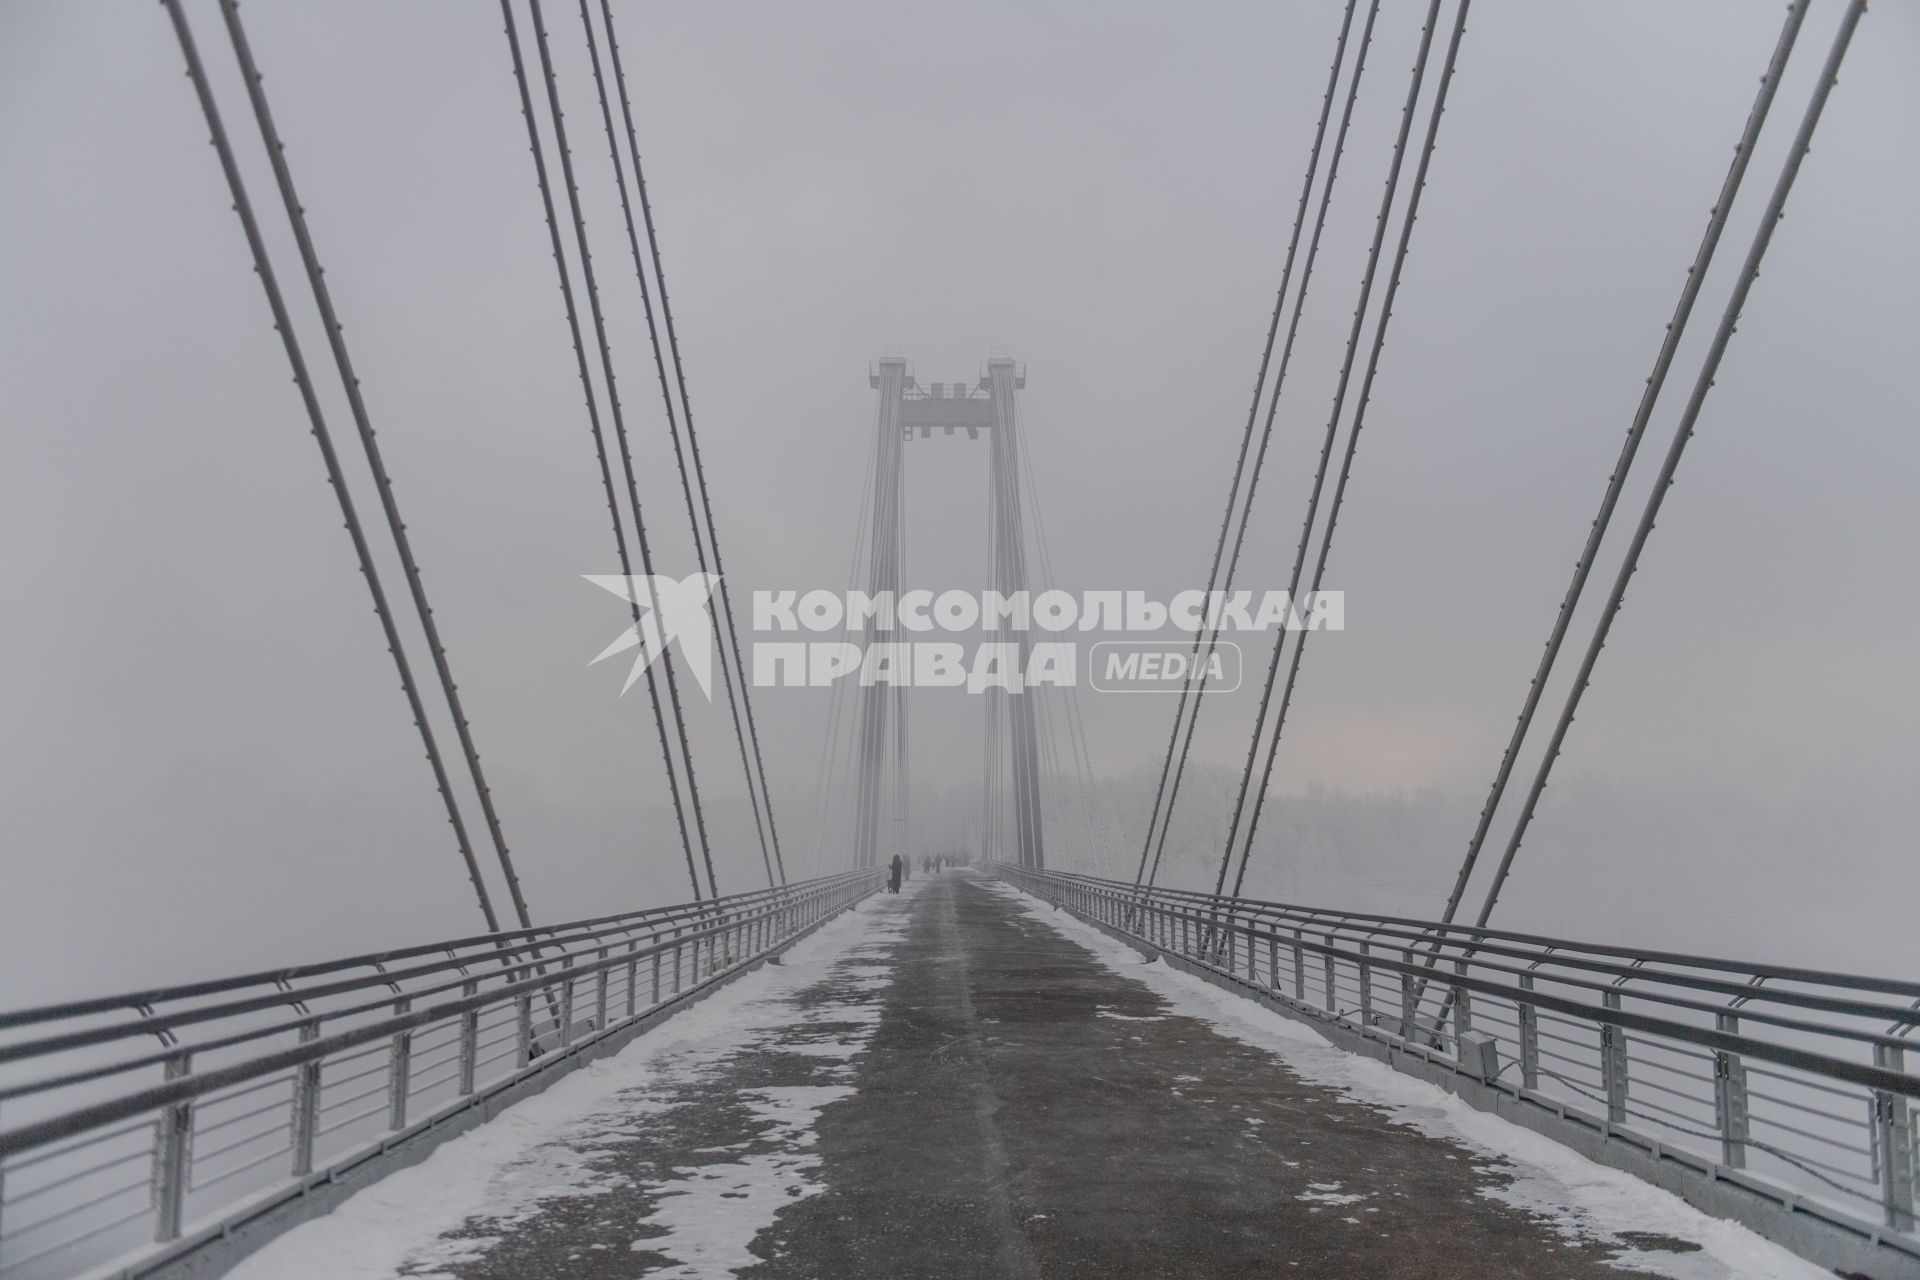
x,y
1011,824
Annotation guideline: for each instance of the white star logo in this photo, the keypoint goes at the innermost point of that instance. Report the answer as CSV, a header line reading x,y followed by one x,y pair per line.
x,y
671,610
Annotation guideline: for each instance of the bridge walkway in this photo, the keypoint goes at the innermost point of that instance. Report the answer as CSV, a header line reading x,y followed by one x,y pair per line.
x,y
955,1084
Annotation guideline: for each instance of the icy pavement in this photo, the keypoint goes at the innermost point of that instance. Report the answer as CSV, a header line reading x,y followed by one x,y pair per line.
x,y
960,1084
1636,1227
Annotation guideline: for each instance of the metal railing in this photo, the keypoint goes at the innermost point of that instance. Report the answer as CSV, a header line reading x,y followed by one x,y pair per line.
x,y
1792,1083
130,1122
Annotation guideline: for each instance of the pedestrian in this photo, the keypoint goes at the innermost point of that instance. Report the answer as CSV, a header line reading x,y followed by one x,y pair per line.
x,y
893,875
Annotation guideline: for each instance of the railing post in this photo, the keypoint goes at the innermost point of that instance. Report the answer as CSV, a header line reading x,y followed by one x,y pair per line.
x,y
1366,985
399,1070
469,1041
1333,997
1613,1062
655,942
1462,1003
525,1035
172,1132
1408,1030
1273,960
1730,1097
1893,1134
600,993
566,1002
1529,1020
633,978
1299,969
678,946
306,1104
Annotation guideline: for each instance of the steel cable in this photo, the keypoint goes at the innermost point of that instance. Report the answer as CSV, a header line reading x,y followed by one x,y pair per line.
x,y
760,826
1683,432
1636,431
1253,414
1366,388
336,340
824,810
693,439
1286,362
621,439
593,418
323,436
1616,482
1094,820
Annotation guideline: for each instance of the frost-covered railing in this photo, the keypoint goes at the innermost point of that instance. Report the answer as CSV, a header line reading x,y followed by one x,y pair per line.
x,y
1794,1083
130,1122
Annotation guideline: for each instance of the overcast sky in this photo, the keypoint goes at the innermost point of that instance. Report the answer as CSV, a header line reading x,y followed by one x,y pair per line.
x,y
204,758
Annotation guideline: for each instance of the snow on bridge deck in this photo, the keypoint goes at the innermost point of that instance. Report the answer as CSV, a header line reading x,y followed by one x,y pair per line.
x,y
958,1083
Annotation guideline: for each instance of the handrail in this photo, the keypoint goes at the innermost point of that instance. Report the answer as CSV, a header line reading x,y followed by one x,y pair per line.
x,y
153,1024
387,981
1786,973
1783,972
507,939
288,1075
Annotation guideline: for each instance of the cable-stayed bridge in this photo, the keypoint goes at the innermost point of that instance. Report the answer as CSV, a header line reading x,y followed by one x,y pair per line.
x,y
976,1075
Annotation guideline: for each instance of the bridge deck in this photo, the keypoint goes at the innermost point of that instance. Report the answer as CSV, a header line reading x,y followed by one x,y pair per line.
x,y
951,1084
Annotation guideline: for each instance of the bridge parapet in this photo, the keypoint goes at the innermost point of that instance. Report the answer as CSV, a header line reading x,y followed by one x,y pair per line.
x,y
144,1132
1779,1096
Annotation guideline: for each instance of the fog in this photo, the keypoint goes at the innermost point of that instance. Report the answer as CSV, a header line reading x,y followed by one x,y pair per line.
x,y
205,763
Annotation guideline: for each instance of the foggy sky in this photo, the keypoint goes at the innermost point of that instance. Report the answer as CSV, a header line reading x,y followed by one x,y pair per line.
x,y
205,762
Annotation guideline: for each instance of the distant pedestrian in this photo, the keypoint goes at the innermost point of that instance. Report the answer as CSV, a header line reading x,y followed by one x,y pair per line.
x,y
894,869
